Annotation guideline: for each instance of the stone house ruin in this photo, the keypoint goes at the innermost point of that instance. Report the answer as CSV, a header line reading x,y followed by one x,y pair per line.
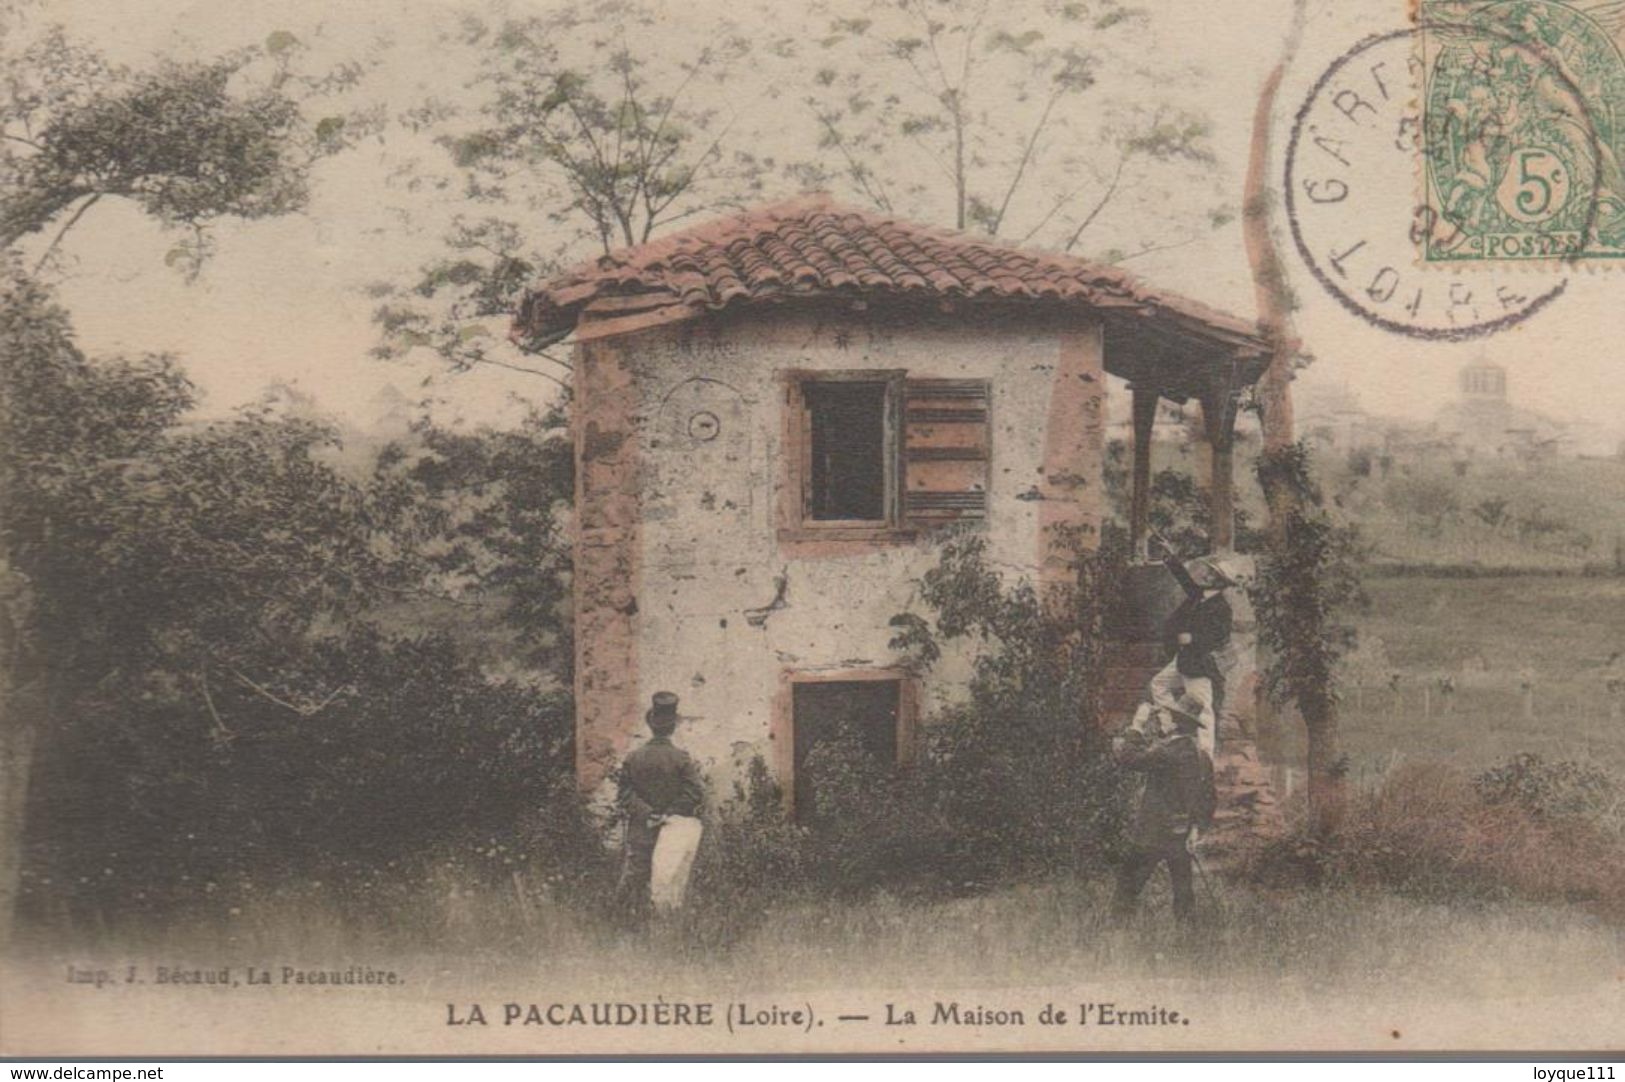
x,y
777,413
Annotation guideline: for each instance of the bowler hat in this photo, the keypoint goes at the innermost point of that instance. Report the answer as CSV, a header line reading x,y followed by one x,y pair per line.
x,y
664,707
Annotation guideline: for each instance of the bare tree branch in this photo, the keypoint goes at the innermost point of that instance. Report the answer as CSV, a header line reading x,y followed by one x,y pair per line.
x,y
582,180
1149,248
854,168
1055,208
548,356
225,735
67,225
1026,158
517,368
302,711
1100,205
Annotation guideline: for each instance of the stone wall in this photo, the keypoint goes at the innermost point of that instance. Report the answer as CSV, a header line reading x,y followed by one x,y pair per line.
x,y
683,580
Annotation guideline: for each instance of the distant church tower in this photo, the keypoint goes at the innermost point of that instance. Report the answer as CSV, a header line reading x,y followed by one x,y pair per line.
x,y
1481,415
1483,381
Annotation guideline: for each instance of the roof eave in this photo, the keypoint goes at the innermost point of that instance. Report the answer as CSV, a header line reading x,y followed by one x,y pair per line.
x,y
608,316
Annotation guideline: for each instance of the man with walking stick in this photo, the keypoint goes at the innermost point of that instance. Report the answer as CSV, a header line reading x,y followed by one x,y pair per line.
x,y
1176,802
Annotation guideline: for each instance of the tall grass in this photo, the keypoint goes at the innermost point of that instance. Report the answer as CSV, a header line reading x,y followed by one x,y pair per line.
x,y
1053,933
1530,831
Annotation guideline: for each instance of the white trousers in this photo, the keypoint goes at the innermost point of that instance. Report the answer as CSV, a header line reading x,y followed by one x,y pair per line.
x,y
1166,688
673,860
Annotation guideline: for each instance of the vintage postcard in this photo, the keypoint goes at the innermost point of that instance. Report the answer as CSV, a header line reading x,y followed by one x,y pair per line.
x,y
540,527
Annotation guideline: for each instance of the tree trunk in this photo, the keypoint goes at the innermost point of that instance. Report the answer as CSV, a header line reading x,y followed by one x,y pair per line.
x,y
22,709
1328,783
959,163
26,702
17,738
1274,396
1273,297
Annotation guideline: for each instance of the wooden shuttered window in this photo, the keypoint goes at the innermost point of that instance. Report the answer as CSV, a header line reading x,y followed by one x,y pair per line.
x,y
946,450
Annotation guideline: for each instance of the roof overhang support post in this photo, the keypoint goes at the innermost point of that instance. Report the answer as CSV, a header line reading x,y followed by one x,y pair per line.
x,y
1146,397
1220,401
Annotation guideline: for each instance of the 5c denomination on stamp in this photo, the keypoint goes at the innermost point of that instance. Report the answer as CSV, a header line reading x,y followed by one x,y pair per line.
x,y
1523,126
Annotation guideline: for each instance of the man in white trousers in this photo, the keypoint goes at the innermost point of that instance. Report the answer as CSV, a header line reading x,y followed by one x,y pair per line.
x,y
660,797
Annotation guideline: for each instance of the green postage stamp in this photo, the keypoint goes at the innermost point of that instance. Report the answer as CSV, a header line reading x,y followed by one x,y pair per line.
x,y
1523,129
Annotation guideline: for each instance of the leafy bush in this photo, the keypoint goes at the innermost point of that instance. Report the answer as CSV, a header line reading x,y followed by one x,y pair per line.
x,y
1010,784
1554,790
1525,830
1019,768
413,758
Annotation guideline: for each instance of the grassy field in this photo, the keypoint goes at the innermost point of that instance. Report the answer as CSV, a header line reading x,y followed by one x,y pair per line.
x,y
1040,933
1267,969
1564,513
1487,635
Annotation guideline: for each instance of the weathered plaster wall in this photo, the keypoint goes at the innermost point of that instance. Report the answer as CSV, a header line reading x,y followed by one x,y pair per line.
x,y
608,574
706,403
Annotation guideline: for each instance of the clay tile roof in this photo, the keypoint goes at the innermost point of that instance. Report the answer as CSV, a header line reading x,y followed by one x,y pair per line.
x,y
812,247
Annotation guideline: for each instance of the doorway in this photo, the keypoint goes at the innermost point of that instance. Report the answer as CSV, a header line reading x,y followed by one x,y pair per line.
x,y
835,719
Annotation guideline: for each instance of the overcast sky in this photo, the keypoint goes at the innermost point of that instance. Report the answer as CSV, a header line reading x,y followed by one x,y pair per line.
x,y
282,300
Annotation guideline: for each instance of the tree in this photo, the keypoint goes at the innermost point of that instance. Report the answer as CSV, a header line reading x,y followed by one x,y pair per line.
x,y
1300,542
66,429
489,510
1272,399
932,102
144,558
199,679
1308,575
187,142
577,142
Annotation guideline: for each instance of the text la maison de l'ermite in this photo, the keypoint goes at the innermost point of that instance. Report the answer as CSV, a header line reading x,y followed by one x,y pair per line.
x,y
678,1013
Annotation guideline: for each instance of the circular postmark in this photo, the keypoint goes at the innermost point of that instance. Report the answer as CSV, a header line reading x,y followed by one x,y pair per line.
x,y
1362,212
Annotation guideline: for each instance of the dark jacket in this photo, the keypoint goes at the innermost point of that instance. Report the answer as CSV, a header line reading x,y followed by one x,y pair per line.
x,y
1206,619
1178,787
660,779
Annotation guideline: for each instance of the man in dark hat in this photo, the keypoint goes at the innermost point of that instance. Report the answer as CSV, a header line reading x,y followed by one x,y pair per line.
x,y
660,793
1177,799
1197,630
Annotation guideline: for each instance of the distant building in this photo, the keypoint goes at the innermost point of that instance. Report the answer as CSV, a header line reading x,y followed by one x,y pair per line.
x,y
1333,419
1483,422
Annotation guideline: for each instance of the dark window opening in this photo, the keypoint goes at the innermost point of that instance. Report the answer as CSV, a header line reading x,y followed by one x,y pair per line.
x,y
846,728
847,480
